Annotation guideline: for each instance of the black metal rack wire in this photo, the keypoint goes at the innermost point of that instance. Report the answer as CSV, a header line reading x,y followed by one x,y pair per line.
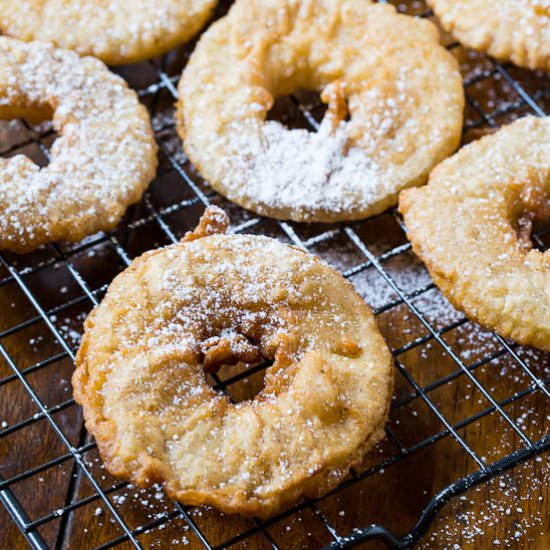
x,y
159,220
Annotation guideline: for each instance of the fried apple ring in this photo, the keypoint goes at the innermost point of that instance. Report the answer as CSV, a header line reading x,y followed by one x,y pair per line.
x,y
401,88
221,299
471,225
115,31
101,162
510,30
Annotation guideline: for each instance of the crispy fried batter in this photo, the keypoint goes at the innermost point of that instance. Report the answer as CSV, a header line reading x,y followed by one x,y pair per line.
x,y
101,162
511,30
141,374
469,226
115,31
213,222
401,89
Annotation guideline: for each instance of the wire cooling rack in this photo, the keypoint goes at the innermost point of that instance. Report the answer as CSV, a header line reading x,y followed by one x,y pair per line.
x,y
455,381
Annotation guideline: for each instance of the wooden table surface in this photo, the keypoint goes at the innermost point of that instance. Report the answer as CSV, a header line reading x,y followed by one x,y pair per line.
x,y
512,510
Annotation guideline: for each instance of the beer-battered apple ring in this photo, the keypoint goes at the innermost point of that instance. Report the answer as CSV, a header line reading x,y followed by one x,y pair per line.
x,y
101,162
401,88
115,31
221,299
471,226
511,30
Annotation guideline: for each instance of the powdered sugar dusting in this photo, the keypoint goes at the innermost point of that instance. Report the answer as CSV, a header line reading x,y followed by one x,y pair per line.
x,y
404,116
482,517
192,323
312,173
513,30
222,300
102,161
304,170
116,31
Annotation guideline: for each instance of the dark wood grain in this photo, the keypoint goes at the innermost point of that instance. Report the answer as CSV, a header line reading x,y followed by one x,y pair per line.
x,y
512,509
393,498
